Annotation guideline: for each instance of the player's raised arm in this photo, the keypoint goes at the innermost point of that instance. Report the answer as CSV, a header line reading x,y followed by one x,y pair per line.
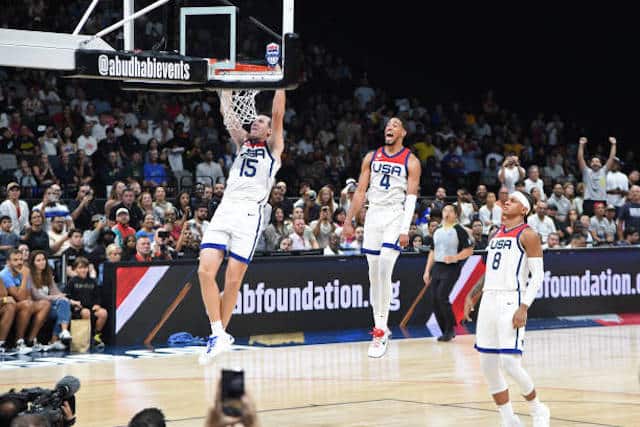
x,y
231,121
276,140
359,196
413,183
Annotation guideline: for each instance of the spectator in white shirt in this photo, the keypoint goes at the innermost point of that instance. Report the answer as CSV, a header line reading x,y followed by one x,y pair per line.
x,y
490,214
16,209
90,116
163,134
559,200
601,228
86,141
534,181
49,142
143,132
617,185
553,241
541,223
209,171
302,240
99,130
333,248
364,93
510,173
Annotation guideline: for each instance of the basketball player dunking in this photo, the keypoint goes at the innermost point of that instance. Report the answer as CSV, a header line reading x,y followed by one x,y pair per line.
x,y
514,252
389,179
238,221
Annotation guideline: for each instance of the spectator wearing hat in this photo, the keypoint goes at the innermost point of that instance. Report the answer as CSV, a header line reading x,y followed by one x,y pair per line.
x,y
136,215
8,239
599,225
17,210
617,185
122,229
611,230
346,195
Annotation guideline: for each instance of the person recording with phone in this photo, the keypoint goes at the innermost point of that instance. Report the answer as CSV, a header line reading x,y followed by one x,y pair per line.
x,y
511,172
83,207
161,249
233,406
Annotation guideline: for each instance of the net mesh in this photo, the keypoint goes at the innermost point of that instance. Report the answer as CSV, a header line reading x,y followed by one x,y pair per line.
x,y
238,107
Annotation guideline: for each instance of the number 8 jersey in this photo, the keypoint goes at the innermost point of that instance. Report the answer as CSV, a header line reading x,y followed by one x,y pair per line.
x,y
507,267
252,173
388,183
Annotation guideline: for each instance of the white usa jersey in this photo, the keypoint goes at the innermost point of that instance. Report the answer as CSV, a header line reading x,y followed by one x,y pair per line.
x,y
507,266
388,182
252,173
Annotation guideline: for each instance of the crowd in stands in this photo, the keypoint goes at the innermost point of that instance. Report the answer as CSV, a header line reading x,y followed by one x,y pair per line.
x,y
93,175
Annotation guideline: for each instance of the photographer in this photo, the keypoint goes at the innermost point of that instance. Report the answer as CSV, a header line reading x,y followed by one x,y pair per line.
x,y
51,206
247,409
83,208
323,227
511,172
40,407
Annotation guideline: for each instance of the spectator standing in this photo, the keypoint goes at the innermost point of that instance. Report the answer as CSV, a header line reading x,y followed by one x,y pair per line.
x,y
17,210
510,173
630,212
594,176
540,222
154,173
617,185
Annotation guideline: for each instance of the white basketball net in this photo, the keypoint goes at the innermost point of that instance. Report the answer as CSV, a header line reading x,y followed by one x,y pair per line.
x,y
238,107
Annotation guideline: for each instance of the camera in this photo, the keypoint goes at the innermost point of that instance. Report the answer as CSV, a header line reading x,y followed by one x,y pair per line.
x,y
39,401
232,392
163,234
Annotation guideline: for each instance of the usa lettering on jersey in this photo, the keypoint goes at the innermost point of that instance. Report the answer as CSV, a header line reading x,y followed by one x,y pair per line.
x,y
388,182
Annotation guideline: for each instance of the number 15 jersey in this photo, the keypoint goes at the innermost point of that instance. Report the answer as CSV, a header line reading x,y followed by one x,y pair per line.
x,y
388,182
507,266
252,173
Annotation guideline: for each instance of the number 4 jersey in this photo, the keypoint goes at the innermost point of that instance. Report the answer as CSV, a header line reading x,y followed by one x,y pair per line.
x,y
388,185
507,268
252,174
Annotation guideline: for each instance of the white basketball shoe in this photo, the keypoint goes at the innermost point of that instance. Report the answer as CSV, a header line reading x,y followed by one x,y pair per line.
x,y
216,344
541,416
379,343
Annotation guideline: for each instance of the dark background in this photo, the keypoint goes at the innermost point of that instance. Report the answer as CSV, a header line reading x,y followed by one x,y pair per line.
x,y
577,60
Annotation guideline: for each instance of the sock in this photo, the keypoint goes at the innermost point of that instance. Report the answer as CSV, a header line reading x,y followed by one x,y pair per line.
x,y
374,292
216,327
506,411
534,404
388,259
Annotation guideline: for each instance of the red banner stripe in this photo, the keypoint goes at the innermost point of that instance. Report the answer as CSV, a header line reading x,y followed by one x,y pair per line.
x,y
474,277
127,279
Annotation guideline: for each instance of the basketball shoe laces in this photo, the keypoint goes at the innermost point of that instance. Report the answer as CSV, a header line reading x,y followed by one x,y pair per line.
x,y
378,335
211,342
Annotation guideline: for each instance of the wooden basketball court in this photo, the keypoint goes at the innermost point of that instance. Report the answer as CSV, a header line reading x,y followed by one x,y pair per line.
x,y
587,376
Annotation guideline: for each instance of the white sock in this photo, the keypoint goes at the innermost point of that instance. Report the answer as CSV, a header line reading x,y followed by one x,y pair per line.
x,y
506,411
216,327
534,404
380,321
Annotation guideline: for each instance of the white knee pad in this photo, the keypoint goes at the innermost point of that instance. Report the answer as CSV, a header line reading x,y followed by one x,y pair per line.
x,y
490,364
512,364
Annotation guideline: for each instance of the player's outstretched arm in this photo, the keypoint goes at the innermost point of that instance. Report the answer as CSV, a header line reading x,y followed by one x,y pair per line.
x,y
359,196
413,183
231,122
533,247
276,140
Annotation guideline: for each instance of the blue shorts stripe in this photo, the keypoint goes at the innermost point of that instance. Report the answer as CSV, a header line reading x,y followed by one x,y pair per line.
x,y
391,246
498,350
239,258
213,246
369,251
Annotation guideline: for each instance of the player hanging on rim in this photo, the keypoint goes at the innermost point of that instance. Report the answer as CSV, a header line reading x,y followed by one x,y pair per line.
x,y
238,221
514,252
389,179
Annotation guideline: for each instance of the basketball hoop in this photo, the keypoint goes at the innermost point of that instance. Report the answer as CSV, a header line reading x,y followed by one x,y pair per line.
x,y
238,107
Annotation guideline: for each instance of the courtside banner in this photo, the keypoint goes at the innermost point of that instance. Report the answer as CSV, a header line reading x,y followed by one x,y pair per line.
x,y
305,293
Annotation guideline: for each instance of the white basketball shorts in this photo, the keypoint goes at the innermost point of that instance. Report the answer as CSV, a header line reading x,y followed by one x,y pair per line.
x,y
235,227
494,329
382,229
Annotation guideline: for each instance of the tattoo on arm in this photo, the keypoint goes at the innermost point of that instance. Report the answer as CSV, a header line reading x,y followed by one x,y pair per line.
x,y
475,293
